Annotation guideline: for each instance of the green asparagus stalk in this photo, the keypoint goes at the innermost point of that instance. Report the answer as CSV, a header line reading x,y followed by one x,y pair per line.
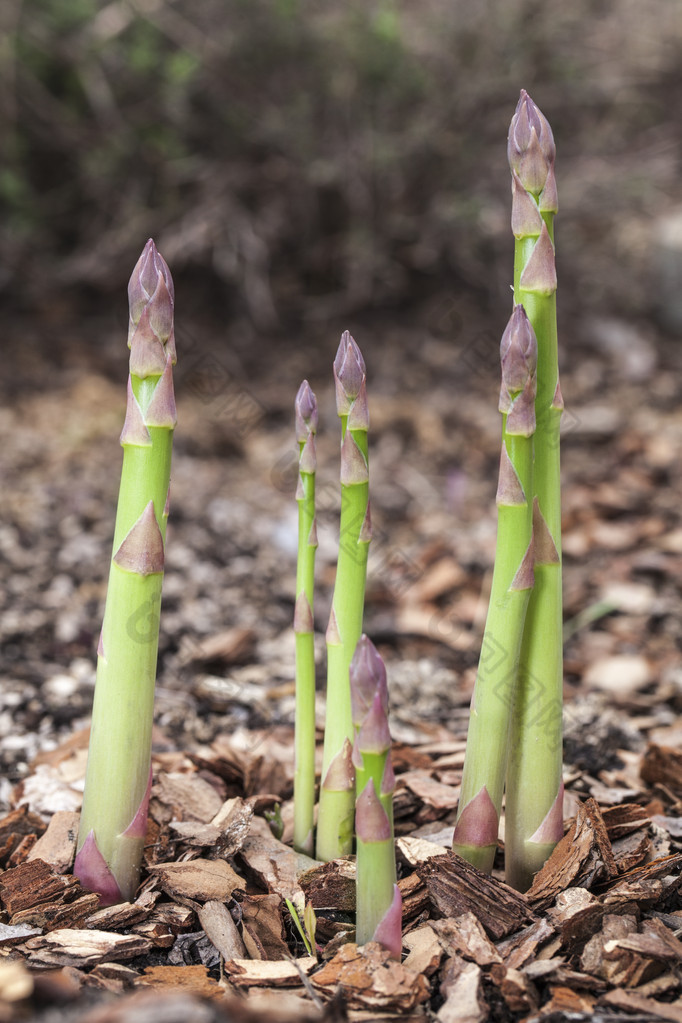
x,y
304,742
335,816
534,801
485,761
118,778
378,902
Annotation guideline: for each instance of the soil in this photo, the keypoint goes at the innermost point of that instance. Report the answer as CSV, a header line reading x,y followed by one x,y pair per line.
x,y
608,919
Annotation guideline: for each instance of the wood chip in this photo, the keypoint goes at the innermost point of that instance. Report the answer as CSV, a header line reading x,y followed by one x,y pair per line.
x,y
647,884
581,858
370,979
15,826
189,797
330,886
630,1001
285,973
425,950
416,850
464,936
263,927
662,765
217,922
202,880
455,887
125,914
194,979
522,946
57,914
57,846
624,819
114,977
33,883
277,866
518,992
74,947
462,987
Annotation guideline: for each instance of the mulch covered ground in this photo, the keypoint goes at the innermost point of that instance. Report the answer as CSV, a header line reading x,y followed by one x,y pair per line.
x,y
209,936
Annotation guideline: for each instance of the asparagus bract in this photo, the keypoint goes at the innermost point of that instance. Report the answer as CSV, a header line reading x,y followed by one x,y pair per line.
x,y
118,778
335,817
378,903
485,761
534,800
304,742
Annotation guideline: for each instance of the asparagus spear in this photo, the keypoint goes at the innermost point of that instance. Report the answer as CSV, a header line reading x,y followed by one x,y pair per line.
x,y
335,817
379,905
304,774
118,778
485,761
534,801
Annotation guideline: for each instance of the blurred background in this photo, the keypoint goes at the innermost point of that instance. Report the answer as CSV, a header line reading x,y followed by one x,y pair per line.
x,y
307,167
300,162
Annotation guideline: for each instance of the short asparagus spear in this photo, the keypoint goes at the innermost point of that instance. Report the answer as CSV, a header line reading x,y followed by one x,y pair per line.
x,y
486,754
335,817
118,779
534,801
379,904
304,773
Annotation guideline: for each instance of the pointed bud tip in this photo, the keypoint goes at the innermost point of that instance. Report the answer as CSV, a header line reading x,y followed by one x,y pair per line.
x,y
340,776
389,929
141,550
306,412
367,674
478,822
371,820
551,830
349,373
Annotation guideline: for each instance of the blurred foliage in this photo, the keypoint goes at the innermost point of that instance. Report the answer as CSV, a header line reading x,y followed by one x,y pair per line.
x,y
320,157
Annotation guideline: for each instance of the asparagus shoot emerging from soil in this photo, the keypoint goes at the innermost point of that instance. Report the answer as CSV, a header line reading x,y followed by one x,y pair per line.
x,y
335,817
486,754
304,774
118,779
379,905
534,800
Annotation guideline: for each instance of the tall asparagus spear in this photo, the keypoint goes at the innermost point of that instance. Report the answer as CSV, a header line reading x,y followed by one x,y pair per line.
x,y
118,778
534,802
335,816
304,773
379,903
485,761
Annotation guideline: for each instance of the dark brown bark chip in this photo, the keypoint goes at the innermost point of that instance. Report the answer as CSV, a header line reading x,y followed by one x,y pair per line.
x,y
582,857
455,887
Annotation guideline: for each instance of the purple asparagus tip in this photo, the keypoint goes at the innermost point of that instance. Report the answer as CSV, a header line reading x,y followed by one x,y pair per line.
x,y
305,408
478,822
91,870
518,356
373,735
518,351
151,297
367,674
530,145
371,820
349,373
389,931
